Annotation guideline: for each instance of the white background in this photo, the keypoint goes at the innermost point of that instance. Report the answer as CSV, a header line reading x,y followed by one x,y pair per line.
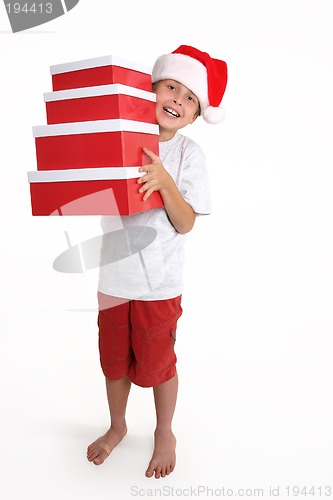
x,y
255,341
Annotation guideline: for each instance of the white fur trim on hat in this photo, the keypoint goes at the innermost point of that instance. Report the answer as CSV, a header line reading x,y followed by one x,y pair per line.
x,y
185,70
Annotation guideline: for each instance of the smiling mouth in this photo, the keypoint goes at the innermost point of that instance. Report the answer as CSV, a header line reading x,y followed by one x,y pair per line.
x,y
171,112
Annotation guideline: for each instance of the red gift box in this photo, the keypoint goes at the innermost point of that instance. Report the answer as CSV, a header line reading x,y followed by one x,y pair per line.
x,y
100,115
98,191
100,71
100,102
99,143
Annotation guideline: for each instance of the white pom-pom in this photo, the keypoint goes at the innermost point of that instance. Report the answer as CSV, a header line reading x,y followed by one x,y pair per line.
x,y
213,115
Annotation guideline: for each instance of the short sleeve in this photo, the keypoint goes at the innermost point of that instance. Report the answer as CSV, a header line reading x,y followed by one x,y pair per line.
x,y
194,185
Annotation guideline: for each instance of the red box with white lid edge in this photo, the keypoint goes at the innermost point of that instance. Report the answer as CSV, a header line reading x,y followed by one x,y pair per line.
x,y
100,102
100,71
104,191
94,144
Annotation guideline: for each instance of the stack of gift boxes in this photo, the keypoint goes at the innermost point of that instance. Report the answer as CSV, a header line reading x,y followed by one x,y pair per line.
x,y
100,115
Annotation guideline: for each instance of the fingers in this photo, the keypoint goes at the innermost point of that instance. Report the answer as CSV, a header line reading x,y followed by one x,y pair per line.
x,y
148,188
154,158
152,179
148,193
144,178
149,185
148,168
155,161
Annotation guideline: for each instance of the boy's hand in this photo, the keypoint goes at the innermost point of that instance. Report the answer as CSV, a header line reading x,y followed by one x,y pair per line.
x,y
156,177
180,213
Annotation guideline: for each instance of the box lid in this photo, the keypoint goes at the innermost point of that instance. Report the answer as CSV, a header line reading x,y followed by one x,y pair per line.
x,y
85,174
108,60
91,127
99,90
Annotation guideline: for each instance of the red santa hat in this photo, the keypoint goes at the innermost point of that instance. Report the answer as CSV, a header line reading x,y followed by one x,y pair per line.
x,y
204,76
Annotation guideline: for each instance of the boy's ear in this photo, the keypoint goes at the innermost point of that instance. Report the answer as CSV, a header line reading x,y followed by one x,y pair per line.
x,y
195,116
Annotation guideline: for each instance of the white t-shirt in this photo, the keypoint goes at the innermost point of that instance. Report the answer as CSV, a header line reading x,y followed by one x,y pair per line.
x,y
146,261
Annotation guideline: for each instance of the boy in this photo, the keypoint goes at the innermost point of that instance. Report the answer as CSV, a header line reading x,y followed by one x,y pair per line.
x,y
136,337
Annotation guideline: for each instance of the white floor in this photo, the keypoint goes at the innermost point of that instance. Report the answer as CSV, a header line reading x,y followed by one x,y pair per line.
x,y
253,413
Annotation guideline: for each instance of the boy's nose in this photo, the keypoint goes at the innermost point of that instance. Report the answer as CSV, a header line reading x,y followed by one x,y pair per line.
x,y
177,101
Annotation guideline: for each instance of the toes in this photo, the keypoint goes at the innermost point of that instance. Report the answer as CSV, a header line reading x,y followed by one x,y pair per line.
x,y
149,472
97,455
91,454
159,471
151,469
100,458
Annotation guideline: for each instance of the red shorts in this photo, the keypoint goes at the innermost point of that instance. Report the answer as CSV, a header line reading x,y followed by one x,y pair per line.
x,y
136,339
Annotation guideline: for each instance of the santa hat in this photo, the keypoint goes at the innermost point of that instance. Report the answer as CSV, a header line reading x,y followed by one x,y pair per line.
x,y
204,76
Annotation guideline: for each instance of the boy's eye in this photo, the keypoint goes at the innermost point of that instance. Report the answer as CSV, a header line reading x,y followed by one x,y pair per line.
x,y
171,87
192,99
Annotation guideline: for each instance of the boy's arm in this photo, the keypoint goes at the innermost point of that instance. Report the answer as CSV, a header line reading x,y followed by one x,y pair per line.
x,y
157,178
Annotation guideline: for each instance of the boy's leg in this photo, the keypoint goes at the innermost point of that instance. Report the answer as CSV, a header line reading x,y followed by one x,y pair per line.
x,y
153,335
164,456
117,393
115,356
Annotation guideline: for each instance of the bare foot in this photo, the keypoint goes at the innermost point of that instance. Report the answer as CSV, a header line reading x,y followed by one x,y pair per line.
x,y
100,449
164,456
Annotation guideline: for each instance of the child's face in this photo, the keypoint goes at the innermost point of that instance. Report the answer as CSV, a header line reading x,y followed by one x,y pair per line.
x,y
176,106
